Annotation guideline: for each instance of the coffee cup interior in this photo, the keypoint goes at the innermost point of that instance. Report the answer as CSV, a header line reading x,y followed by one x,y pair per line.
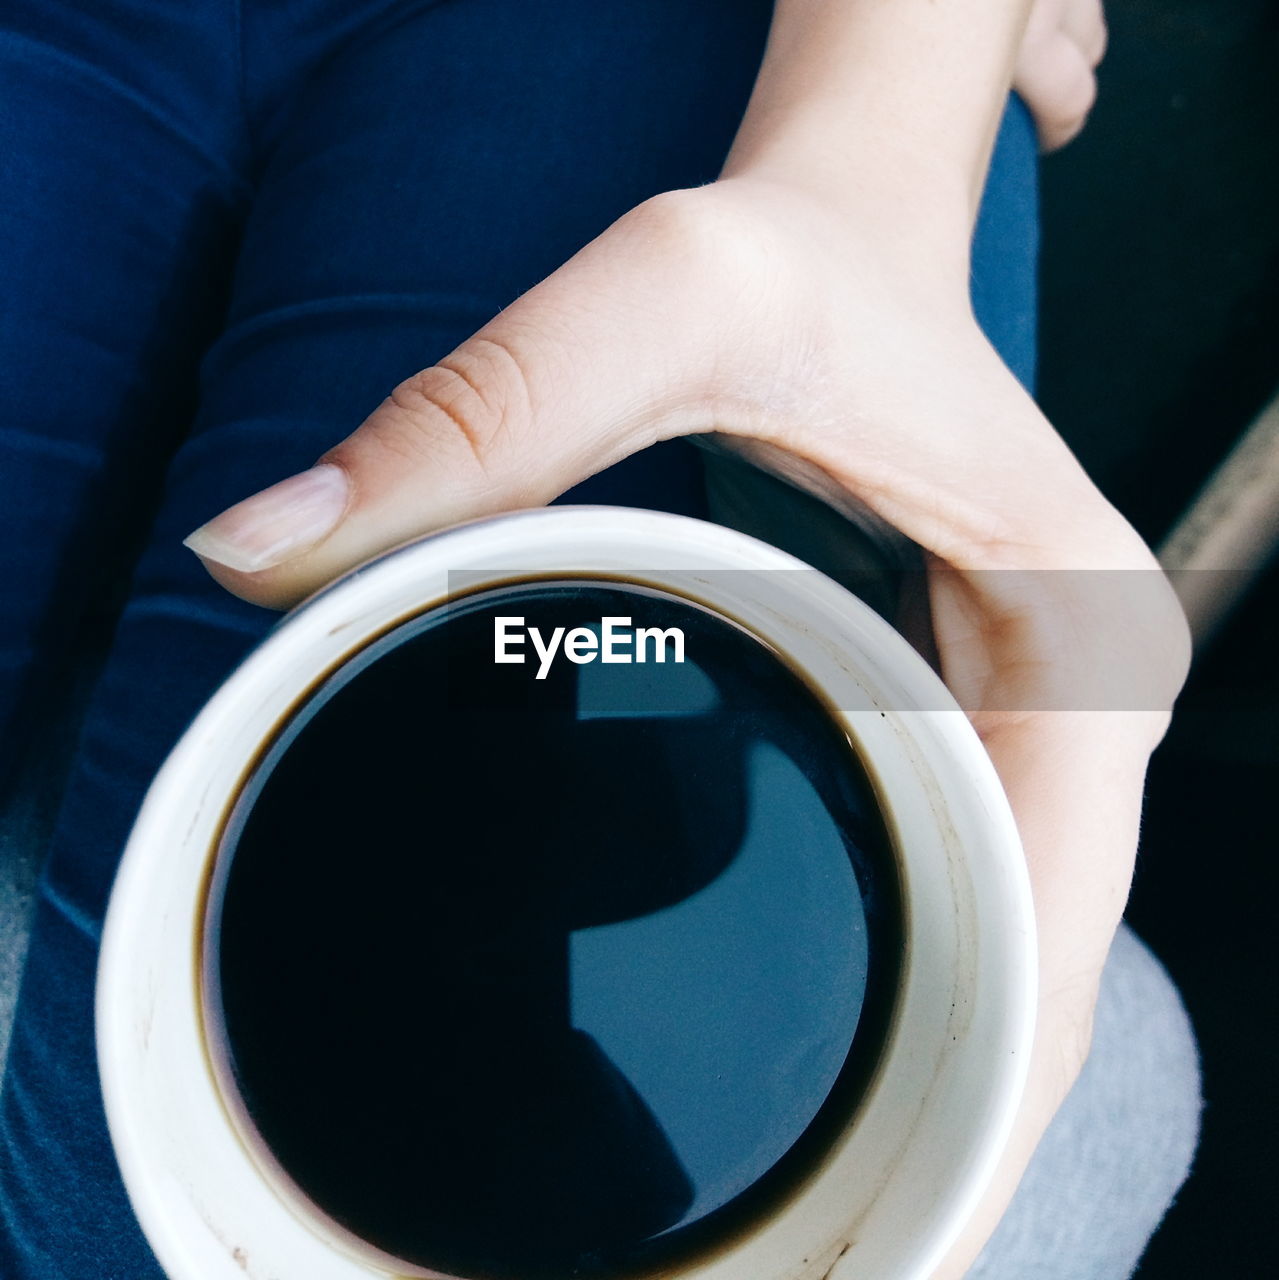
x,y
552,967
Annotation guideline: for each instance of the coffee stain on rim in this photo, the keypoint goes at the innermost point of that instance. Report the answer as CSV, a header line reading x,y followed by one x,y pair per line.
x,y
843,1253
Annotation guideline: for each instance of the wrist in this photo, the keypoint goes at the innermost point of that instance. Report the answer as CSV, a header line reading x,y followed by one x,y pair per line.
x,y
892,108
853,231
923,208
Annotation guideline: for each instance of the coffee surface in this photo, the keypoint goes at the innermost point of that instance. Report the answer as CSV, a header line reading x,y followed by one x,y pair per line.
x,y
531,978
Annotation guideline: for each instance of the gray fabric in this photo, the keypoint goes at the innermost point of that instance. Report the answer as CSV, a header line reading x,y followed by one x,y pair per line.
x,y
22,835
27,812
1121,1146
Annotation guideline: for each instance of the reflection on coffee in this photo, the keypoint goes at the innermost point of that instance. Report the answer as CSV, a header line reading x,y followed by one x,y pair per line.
x,y
574,976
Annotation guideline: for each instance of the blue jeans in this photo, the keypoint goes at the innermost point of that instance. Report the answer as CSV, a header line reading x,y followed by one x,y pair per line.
x,y
228,230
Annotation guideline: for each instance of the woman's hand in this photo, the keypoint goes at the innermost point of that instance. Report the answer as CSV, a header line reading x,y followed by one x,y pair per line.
x,y
832,345
811,309
1064,43
837,349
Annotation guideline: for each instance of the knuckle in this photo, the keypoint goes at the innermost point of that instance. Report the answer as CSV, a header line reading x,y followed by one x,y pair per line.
x,y
1085,95
470,398
1100,41
1076,91
1169,647
1058,81
673,219
1066,116
700,234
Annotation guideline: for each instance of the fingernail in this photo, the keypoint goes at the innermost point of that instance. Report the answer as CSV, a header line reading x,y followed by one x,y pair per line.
x,y
276,524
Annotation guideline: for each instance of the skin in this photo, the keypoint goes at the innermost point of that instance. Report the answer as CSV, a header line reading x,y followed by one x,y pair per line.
x,y
811,309
1056,66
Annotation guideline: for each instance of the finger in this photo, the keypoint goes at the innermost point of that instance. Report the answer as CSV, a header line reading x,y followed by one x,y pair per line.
x,y
572,377
1056,79
1085,23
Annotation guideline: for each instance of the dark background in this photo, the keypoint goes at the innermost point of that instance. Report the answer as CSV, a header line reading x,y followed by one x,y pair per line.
x,y
1160,343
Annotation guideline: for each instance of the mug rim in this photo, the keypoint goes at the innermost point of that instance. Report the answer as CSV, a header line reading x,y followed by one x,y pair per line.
x,y
191,1209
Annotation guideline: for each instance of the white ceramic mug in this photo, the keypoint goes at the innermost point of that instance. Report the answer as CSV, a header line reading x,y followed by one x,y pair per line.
x,y
894,1188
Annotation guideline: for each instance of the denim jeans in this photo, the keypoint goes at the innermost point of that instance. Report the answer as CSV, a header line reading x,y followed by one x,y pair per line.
x,y
228,229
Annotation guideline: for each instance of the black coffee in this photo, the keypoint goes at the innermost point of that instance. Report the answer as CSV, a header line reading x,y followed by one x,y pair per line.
x,y
564,976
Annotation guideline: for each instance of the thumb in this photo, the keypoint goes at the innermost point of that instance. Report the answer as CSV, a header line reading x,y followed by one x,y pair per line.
x,y
571,378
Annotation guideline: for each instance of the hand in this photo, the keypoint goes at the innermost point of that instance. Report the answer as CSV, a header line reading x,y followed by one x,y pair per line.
x,y
835,346
1064,43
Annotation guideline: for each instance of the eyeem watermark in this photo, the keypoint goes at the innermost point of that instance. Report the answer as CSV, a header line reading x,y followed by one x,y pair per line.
x,y
615,640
